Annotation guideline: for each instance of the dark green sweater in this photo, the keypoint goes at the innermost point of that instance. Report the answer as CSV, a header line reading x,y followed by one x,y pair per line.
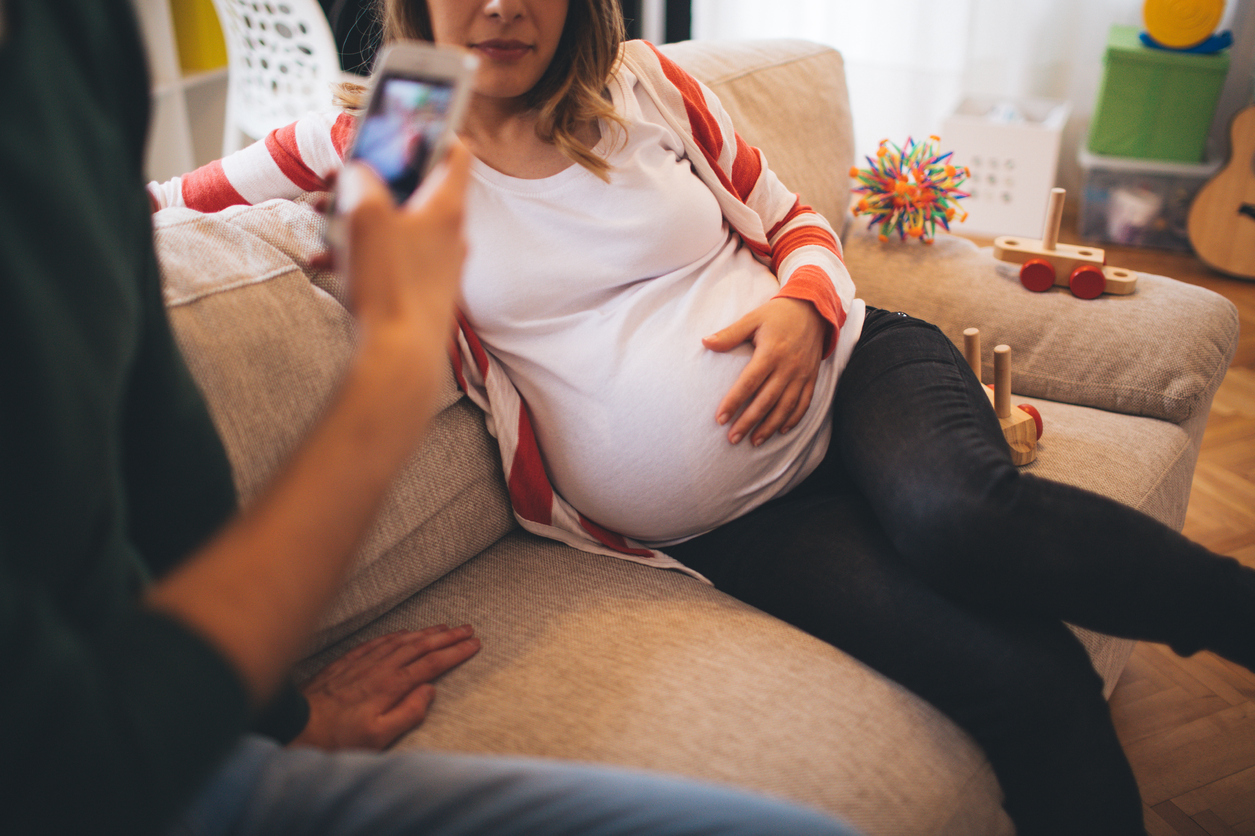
x,y
110,470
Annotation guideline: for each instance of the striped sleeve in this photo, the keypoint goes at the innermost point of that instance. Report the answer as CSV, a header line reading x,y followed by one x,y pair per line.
x,y
287,162
797,243
806,256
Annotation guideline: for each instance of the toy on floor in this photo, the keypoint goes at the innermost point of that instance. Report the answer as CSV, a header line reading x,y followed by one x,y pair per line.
x,y
1046,263
910,189
1022,424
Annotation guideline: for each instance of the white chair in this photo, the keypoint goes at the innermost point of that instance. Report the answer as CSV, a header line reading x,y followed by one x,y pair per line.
x,y
282,61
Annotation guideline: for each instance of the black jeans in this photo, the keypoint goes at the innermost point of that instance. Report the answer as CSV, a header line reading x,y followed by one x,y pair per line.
x,y
920,549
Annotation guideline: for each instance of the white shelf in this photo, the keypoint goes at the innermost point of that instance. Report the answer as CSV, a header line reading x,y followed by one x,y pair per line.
x,y
188,110
188,82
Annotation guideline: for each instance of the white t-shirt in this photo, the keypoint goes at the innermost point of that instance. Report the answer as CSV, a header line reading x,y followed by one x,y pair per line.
x,y
594,297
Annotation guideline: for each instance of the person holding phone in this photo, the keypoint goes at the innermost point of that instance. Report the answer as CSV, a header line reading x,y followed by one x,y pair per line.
x,y
708,394
145,624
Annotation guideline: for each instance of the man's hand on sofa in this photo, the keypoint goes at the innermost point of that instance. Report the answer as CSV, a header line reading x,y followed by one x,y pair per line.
x,y
382,688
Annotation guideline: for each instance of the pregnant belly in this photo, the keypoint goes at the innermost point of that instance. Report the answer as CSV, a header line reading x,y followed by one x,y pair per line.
x,y
623,397
640,451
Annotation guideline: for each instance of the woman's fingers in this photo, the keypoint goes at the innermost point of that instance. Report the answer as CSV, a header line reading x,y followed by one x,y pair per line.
x,y
782,409
799,409
774,390
755,416
745,397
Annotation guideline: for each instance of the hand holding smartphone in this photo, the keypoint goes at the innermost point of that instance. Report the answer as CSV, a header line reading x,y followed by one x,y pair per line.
x,y
417,98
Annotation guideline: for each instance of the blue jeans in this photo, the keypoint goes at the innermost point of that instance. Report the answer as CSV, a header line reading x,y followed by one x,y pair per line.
x,y
266,789
919,548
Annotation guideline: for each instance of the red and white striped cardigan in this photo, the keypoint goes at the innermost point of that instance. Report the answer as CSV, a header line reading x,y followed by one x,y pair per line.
x,y
796,242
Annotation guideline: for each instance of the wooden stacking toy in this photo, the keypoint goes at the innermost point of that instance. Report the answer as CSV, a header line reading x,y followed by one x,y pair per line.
x,y
1021,425
1046,263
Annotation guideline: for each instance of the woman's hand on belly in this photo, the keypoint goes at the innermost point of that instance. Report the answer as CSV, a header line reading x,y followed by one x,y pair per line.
x,y
774,390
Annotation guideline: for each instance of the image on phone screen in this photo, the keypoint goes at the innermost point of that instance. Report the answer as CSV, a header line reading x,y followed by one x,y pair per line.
x,y
402,129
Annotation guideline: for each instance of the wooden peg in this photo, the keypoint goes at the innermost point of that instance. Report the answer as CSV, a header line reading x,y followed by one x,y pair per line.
x,y
1054,217
971,349
1002,381
1018,427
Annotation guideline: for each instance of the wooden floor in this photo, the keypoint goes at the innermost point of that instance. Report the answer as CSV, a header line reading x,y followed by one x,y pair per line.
x,y
1188,725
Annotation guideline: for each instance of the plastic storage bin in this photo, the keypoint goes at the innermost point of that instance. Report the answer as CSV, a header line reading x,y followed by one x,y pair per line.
x,y
1142,203
1012,148
1155,104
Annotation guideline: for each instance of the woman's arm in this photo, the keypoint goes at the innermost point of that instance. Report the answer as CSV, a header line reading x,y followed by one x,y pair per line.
x,y
796,329
288,162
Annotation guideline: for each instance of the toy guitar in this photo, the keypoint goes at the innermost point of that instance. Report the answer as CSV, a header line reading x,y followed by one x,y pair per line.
x,y
1222,218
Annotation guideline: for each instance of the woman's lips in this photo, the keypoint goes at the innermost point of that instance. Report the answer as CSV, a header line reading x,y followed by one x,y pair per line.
x,y
503,50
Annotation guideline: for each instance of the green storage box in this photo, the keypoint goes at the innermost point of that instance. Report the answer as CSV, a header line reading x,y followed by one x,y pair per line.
x,y
1155,104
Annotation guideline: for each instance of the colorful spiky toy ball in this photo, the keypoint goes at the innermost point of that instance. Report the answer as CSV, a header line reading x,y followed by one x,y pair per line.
x,y
911,189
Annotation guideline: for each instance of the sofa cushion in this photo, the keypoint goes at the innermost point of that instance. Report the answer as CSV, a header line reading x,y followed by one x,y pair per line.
x,y
1093,449
787,98
266,347
590,658
1119,353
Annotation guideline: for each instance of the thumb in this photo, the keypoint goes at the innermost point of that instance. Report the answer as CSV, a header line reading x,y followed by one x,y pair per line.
x,y
738,332
356,183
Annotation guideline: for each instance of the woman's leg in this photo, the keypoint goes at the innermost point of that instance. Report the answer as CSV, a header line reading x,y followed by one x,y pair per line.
x,y
1022,686
962,600
914,432
265,789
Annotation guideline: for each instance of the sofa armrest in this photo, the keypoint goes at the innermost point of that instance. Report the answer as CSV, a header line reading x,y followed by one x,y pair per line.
x,y
1160,352
267,342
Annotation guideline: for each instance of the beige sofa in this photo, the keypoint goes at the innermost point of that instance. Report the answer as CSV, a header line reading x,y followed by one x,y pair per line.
x,y
592,658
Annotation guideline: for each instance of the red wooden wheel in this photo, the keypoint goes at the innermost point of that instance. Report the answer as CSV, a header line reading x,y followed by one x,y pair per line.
x,y
1037,274
1032,410
1087,281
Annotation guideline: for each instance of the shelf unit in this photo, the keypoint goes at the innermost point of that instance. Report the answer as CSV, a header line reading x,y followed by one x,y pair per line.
x,y
188,110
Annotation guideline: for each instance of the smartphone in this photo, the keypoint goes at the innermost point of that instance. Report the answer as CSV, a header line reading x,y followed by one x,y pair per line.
x,y
417,97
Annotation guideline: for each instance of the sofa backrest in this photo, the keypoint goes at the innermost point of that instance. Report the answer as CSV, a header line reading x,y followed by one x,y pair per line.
x,y
266,336
788,98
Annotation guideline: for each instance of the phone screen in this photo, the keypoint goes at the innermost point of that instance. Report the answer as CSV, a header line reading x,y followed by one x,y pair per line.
x,y
402,129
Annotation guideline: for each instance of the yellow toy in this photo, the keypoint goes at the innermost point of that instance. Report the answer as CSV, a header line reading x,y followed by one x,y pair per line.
x,y
1181,24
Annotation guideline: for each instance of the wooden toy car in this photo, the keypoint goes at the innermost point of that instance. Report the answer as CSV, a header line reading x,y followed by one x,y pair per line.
x,y
1046,263
1021,425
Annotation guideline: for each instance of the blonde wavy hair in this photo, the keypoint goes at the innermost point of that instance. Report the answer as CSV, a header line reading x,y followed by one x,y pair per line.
x,y
570,93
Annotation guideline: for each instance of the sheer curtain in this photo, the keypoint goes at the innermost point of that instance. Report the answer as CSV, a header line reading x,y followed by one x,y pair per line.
x,y
909,62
